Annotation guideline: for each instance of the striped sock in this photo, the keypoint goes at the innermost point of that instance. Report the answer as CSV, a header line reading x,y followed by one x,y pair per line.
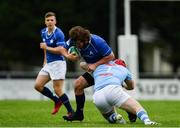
x,y
142,115
112,118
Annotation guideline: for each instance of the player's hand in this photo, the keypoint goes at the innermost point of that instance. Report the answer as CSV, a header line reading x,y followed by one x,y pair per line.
x,y
92,67
84,66
43,45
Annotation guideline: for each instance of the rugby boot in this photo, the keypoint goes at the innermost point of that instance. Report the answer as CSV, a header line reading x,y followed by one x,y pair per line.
x,y
56,107
120,119
150,123
74,117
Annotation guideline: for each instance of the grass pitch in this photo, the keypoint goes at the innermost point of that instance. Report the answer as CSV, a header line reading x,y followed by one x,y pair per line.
x,y
20,113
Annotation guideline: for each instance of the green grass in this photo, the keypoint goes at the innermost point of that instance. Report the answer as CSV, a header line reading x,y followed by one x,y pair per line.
x,y
20,113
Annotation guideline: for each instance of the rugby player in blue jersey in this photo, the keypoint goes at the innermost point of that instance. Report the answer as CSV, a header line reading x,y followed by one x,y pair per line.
x,y
54,67
108,92
95,51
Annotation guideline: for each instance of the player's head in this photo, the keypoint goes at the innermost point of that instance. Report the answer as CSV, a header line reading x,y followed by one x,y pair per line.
x,y
80,36
50,19
120,62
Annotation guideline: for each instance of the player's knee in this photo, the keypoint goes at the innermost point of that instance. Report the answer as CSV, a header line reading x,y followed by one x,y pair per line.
x,y
59,92
38,87
78,85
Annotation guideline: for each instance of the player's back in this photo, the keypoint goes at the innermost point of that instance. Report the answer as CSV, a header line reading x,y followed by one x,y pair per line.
x,y
110,74
95,50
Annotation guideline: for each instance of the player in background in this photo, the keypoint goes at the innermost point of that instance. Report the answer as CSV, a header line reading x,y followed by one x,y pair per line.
x,y
54,67
95,51
108,92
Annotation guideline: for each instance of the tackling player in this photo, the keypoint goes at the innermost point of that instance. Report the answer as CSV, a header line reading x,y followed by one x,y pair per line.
x,y
108,92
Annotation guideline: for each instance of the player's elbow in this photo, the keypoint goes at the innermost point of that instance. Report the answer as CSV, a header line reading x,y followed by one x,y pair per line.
x,y
130,84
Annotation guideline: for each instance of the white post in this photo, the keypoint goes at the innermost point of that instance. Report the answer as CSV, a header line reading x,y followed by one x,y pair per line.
x,y
127,14
128,47
157,60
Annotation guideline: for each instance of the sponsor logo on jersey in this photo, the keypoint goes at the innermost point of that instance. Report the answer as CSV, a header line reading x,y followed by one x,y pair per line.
x,y
51,41
91,53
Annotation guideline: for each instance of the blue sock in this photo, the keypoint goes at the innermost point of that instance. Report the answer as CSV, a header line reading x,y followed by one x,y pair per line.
x,y
142,115
65,101
49,94
80,100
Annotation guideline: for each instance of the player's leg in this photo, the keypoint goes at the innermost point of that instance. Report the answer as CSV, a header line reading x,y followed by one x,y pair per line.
x,y
130,86
40,82
131,105
57,71
106,109
80,83
114,117
63,98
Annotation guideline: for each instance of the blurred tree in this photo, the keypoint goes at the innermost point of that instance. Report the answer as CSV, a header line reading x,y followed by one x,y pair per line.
x,y
164,18
21,22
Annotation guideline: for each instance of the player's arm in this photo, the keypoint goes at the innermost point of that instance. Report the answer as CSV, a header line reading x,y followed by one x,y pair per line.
x,y
104,60
73,57
44,62
129,84
59,50
54,50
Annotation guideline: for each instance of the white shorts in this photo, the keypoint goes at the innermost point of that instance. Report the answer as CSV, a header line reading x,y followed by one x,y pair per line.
x,y
56,70
108,97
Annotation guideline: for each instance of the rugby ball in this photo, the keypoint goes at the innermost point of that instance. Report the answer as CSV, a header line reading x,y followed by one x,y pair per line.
x,y
73,50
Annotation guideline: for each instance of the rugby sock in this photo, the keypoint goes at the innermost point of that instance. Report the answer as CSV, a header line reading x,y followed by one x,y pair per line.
x,y
142,115
80,100
65,101
112,118
49,94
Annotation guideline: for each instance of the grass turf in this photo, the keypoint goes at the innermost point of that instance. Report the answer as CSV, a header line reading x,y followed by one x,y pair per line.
x,y
20,113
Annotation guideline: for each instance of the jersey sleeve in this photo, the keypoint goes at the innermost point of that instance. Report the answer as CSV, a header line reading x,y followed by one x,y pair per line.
x,y
42,35
129,76
60,38
68,44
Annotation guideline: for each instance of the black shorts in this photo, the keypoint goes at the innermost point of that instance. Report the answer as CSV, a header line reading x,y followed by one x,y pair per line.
x,y
88,77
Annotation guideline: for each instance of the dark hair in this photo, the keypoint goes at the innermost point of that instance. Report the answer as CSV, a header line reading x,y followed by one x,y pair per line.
x,y
79,33
48,14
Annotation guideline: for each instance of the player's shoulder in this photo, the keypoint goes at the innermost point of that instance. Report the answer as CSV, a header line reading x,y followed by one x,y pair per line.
x,y
97,39
94,36
43,30
69,43
59,31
